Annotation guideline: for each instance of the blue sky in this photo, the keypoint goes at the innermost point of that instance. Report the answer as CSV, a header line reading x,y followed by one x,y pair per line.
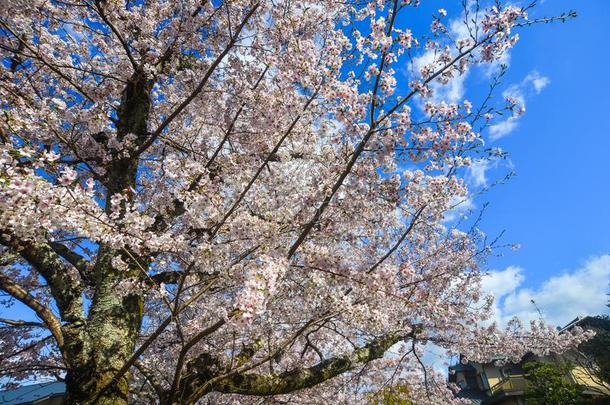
x,y
556,207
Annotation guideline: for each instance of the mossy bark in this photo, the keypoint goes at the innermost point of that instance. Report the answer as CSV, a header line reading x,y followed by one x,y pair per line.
x,y
112,328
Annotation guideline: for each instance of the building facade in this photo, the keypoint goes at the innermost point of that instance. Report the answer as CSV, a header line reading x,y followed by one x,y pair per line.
x,y
505,383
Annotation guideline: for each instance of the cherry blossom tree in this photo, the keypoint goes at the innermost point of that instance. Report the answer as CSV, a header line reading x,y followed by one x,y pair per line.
x,y
226,200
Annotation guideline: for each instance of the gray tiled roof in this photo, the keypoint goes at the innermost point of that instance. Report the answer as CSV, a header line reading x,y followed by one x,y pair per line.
x,y
30,393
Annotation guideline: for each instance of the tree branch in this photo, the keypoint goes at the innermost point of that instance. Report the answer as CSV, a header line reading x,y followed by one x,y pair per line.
x,y
79,262
262,166
151,377
42,311
116,32
301,378
22,324
36,56
361,146
63,283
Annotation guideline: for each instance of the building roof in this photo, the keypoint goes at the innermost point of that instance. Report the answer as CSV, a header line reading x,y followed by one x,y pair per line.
x,y
30,394
461,367
571,324
475,396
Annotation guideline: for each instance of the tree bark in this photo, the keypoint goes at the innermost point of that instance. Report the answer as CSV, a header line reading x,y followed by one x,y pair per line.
x,y
200,382
112,327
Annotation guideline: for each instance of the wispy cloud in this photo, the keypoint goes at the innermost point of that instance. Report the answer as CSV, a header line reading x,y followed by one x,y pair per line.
x,y
476,175
477,172
460,209
532,84
451,92
503,128
537,80
71,31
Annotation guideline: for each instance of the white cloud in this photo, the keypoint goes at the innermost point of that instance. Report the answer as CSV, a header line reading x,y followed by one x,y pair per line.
x,y
502,283
537,80
493,68
436,357
459,208
477,172
517,91
502,128
70,30
560,298
459,29
452,92
533,83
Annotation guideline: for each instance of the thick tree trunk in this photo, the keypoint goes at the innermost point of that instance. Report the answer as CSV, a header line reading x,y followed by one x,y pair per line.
x,y
113,326
114,320
112,333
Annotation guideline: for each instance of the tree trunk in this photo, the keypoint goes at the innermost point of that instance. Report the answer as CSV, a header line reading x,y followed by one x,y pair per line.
x,y
112,332
80,392
113,326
